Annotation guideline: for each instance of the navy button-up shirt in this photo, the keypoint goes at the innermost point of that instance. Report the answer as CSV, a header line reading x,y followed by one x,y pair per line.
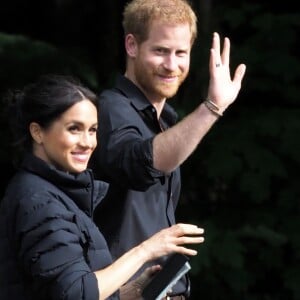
x,y
141,200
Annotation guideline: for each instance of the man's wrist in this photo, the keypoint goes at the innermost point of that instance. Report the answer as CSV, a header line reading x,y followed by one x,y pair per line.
x,y
213,108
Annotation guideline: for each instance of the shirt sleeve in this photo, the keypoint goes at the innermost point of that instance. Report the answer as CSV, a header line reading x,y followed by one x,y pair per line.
x,y
125,154
50,251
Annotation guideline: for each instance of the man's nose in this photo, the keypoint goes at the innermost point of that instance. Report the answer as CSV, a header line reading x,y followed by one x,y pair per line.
x,y
170,62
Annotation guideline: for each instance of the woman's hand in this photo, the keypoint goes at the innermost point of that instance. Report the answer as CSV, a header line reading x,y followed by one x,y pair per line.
x,y
173,239
164,242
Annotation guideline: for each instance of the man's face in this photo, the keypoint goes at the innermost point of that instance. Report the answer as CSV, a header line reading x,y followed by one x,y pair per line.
x,y
162,61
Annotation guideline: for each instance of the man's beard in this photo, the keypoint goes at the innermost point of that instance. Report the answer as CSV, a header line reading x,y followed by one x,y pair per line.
x,y
153,86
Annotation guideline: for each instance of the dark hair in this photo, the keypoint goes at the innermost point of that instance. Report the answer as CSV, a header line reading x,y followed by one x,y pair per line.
x,y
42,102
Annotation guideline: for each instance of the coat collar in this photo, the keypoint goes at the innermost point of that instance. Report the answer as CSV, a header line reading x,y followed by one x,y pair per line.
x,y
81,188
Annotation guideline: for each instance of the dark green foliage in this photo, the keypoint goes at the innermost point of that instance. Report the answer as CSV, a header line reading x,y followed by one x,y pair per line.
x,y
247,192
242,183
22,60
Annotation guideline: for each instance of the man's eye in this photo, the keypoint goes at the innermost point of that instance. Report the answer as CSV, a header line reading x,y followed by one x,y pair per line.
x,y
160,51
181,53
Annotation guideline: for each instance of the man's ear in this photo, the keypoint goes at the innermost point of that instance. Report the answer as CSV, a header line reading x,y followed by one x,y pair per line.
x,y
36,132
131,45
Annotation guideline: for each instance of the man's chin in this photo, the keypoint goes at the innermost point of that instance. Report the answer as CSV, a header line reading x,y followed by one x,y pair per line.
x,y
169,93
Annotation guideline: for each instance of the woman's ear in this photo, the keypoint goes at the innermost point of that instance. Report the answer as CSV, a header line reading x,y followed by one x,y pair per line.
x,y
131,45
36,132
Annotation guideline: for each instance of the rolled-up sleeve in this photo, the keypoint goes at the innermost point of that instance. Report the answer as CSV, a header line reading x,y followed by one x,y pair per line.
x,y
125,153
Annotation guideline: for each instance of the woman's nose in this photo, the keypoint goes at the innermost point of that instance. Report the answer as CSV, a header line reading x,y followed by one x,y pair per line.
x,y
88,140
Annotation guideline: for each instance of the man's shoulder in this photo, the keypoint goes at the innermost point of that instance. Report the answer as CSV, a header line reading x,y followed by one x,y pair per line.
x,y
123,88
112,99
114,92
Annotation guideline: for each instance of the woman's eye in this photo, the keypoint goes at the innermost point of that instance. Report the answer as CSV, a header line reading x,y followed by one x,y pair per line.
x,y
73,128
94,129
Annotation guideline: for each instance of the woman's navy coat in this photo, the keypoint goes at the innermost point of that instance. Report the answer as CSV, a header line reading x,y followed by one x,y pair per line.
x,y
49,243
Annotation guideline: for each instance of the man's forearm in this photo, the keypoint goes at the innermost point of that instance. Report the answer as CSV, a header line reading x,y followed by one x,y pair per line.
x,y
173,146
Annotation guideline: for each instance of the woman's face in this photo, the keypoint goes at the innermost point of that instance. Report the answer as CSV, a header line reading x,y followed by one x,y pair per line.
x,y
71,139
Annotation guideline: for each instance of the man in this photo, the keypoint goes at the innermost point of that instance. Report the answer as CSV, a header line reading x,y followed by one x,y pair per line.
x,y
140,145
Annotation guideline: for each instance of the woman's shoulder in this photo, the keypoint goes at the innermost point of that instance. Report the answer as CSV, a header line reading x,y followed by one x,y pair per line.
x,y
24,182
26,191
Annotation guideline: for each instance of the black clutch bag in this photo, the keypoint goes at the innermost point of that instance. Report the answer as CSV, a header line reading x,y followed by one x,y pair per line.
x,y
173,269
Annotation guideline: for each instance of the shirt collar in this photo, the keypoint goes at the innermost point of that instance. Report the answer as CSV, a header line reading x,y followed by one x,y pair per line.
x,y
139,100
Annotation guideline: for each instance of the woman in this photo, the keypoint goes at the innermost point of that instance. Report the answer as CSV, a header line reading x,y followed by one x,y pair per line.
x,y
51,249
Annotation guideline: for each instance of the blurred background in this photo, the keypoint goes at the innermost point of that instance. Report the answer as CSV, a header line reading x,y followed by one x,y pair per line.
x,y
242,182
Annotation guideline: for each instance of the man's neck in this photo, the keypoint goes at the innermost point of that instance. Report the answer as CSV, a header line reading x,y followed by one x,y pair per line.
x,y
157,102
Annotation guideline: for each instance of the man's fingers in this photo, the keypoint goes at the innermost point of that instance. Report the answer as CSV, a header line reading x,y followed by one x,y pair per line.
x,y
226,52
239,73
